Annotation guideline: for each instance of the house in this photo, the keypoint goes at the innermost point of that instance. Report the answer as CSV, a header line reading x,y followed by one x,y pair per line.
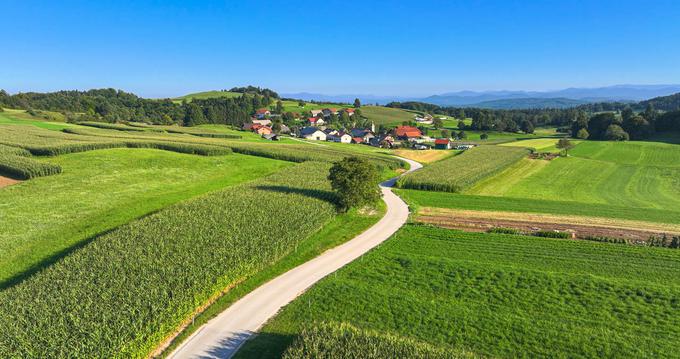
x,y
327,112
386,141
247,126
262,130
263,122
420,146
366,135
270,137
330,132
315,113
341,137
442,144
314,121
313,133
350,111
262,113
357,140
284,129
407,132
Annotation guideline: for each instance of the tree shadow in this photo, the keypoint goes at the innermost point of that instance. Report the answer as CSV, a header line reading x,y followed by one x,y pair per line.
x,y
327,196
228,347
266,345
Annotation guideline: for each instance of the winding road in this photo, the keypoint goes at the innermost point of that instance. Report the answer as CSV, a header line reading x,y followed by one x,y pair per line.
x,y
222,336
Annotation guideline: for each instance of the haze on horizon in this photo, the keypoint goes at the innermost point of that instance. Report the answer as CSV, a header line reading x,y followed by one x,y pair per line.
x,y
339,47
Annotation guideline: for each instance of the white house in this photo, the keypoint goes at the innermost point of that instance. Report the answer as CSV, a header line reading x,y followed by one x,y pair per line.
x,y
264,122
313,133
341,137
315,113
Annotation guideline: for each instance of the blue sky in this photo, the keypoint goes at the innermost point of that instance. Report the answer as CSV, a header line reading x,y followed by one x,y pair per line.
x,y
169,48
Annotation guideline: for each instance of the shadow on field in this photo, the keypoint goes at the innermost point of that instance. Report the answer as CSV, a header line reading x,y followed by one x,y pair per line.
x,y
327,196
265,345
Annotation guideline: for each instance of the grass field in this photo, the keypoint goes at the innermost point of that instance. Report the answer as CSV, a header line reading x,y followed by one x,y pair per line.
x,y
631,174
539,144
21,117
100,190
206,95
424,156
294,106
386,116
497,296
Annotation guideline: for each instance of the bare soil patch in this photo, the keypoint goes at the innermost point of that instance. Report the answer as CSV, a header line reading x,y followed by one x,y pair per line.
x,y
6,181
581,227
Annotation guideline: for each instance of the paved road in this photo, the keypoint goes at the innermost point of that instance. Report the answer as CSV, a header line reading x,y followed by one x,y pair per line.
x,y
223,335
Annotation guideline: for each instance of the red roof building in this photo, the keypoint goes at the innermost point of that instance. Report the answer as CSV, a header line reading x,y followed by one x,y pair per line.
x,y
357,139
408,132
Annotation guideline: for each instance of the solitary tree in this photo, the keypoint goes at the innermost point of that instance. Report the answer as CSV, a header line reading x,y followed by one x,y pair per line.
x,y
301,103
462,135
437,123
355,181
279,107
483,136
357,103
461,125
565,144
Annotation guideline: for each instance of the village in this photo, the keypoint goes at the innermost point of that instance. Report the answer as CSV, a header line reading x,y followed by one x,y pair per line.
x,y
317,127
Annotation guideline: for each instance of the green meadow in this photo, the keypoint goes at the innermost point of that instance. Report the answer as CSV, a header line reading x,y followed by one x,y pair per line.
x,y
494,296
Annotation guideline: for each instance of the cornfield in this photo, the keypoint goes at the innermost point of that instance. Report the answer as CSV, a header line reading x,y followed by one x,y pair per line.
x,y
121,294
17,163
462,171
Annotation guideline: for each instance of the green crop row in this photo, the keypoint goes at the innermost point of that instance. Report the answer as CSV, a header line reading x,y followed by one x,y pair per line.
x,y
14,151
23,167
343,341
112,126
457,173
125,291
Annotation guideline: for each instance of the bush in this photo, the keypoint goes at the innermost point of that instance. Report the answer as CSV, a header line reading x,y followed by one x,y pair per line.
x,y
502,230
552,234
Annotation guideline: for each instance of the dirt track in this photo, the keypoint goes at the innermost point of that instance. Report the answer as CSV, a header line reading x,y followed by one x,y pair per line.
x,y
5,181
482,221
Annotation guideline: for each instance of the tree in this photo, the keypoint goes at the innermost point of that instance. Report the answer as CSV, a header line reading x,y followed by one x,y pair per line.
x,y
616,133
437,123
627,114
461,125
461,115
446,134
301,103
527,126
483,136
582,134
565,144
279,107
276,125
637,127
462,135
650,113
355,182
357,103
193,115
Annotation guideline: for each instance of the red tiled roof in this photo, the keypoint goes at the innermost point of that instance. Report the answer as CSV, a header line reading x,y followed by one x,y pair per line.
x,y
262,110
442,141
357,139
408,131
312,119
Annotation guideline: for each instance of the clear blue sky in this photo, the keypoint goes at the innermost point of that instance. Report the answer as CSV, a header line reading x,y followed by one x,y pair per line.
x,y
168,48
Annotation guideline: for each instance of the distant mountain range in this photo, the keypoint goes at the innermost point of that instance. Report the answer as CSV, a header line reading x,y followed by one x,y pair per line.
x,y
565,98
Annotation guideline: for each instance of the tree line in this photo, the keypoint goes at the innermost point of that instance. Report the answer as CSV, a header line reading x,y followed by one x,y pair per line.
x,y
110,105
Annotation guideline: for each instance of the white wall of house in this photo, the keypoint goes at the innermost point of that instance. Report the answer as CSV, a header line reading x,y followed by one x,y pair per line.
x,y
316,136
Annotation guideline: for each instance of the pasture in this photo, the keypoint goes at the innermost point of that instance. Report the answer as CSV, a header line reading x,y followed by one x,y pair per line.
x,y
206,95
461,171
495,295
539,144
100,190
625,174
386,116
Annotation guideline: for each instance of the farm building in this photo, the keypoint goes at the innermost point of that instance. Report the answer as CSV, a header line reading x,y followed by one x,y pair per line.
x,y
442,144
357,140
263,122
315,113
261,130
270,136
366,135
407,132
314,121
262,113
341,137
313,133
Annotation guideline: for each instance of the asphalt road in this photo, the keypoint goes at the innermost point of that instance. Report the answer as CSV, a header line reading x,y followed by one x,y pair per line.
x,y
223,335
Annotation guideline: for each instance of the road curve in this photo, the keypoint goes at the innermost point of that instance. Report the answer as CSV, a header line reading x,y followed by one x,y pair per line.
x,y
222,336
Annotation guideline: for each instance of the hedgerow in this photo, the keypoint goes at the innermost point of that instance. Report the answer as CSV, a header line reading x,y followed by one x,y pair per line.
x,y
124,292
552,234
331,340
457,173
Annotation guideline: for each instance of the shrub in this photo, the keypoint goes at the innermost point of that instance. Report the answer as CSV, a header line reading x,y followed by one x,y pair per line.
x,y
552,234
502,230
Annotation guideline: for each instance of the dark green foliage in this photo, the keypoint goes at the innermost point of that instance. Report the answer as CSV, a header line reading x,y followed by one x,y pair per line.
x,y
23,167
130,288
564,144
664,241
355,181
112,126
552,234
615,133
13,151
343,341
527,126
484,136
582,134
502,230
357,103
